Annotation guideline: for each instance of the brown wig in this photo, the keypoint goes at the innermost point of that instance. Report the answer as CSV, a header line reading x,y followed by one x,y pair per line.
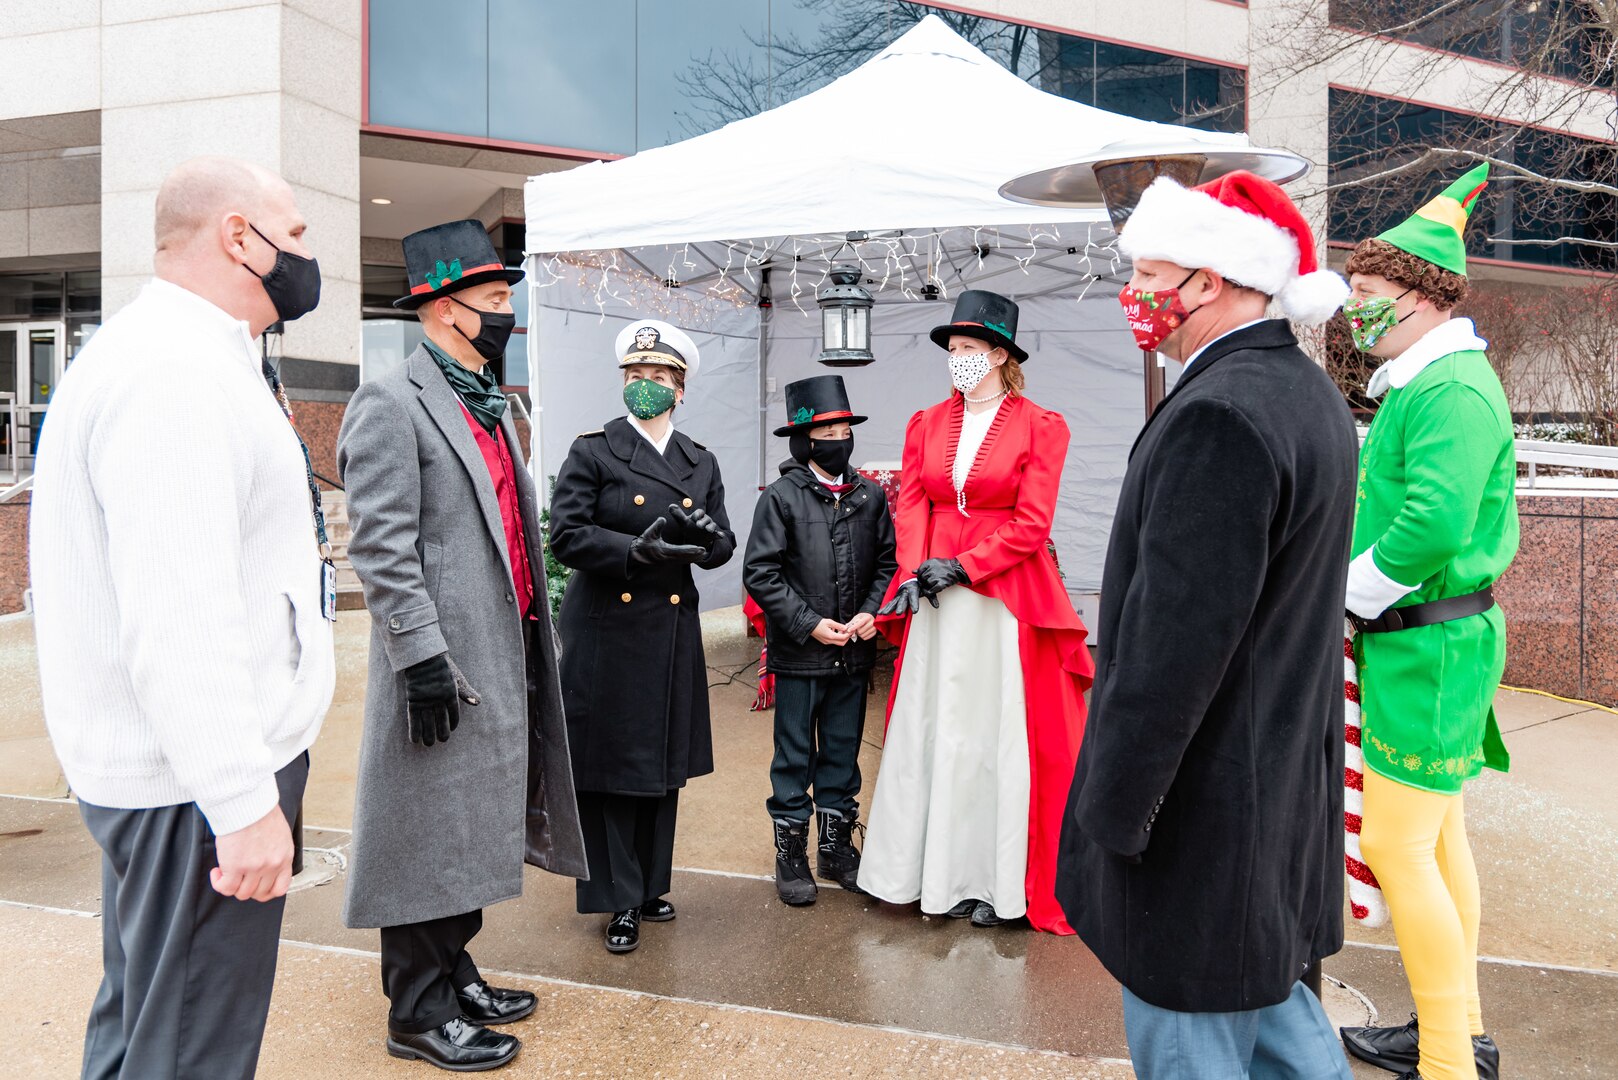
x,y
1444,288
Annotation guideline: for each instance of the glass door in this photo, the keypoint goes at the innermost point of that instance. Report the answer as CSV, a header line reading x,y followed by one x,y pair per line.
x,y
33,357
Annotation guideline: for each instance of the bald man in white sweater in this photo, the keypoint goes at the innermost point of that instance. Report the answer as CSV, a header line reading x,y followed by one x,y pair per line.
x,y
185,646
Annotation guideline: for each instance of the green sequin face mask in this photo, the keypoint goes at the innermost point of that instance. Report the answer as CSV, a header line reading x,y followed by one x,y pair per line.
x,y
646,399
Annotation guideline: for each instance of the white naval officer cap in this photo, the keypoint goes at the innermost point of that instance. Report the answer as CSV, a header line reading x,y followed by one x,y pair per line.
x,y
652,341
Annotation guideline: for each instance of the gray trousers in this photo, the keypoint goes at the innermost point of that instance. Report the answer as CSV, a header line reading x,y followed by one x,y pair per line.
x,y
187,973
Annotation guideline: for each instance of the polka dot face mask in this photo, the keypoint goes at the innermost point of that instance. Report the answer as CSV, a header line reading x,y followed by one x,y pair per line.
x,y
646,399
967,371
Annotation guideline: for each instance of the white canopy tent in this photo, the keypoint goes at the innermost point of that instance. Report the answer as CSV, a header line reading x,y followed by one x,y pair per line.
x,y
897,165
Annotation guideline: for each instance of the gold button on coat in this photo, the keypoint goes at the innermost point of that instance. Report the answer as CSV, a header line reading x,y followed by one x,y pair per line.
x,y
625,598
675,599
639,499
686,503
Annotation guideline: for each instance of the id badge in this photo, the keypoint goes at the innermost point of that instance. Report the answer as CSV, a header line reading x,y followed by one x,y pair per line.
x,y
328,590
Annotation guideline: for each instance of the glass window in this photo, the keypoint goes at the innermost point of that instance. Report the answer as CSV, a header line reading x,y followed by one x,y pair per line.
x,y
627,75
1215,97
1139,83
429,66
380,286
1371,135
1553,37
564,73
31,296
703,64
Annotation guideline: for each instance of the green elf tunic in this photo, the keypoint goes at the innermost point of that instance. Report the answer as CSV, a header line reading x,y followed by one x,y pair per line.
x,y
1436,506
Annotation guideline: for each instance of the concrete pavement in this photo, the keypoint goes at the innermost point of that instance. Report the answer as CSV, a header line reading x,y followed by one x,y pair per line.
x,y
740,986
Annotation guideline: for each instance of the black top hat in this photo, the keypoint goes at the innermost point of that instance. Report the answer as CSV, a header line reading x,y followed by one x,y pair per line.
x,y
815,401
448,258
985,315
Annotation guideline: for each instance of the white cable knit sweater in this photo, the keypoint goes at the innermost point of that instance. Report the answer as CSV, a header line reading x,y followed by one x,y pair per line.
x,y
176,578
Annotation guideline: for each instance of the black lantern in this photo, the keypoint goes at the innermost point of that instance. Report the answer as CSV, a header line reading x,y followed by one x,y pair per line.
x,y
845,319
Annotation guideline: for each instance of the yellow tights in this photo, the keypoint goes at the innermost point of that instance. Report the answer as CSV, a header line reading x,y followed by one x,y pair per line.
x,y
1415,843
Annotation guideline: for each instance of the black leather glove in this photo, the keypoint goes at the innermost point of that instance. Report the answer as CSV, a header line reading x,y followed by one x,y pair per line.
x,y
936,575
431,702
651,546
695,527
906,600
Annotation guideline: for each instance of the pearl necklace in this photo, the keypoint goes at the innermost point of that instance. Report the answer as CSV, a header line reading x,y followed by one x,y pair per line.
x,y
986,400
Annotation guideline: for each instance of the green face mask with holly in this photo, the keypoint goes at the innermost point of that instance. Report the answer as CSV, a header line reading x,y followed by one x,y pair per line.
x,y
646,399
1371,317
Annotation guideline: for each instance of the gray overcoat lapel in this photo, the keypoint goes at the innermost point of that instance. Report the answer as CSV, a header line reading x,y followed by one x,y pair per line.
x,y
439,399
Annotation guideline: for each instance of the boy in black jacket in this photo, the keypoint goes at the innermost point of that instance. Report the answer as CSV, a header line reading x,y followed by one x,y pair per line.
x,y
818,562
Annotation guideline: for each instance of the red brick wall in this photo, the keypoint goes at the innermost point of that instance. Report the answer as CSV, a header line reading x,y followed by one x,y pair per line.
x,y
13,553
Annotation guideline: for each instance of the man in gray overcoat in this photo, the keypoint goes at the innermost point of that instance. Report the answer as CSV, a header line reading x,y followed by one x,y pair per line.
x,y
464,766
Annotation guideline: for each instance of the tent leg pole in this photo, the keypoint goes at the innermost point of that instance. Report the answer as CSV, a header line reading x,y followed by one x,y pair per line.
x,y
536,467
763,384
1156,381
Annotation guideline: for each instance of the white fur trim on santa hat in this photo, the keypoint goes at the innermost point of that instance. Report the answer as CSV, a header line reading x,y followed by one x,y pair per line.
x,y
1194,230
1313,298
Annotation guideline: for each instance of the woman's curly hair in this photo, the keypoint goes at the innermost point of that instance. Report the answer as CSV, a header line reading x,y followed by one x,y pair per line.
x,y
1444,288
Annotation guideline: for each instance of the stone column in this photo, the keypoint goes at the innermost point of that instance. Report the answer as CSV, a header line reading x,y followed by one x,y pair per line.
x,y
278,84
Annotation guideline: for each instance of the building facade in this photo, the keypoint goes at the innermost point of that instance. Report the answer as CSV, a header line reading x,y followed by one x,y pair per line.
x,y
390,115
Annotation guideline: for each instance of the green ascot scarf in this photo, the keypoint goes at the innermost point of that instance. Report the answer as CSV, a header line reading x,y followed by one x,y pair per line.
x,y
477,389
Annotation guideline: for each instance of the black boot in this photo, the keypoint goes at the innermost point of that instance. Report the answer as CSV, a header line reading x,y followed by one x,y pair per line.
x,y
1398,1048
837,859
793,882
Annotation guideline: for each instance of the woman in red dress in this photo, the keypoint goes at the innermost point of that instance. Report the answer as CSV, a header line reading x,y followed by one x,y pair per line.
x,y
987,709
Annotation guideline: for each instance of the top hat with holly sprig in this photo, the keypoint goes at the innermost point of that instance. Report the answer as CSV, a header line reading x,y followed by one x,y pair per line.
x,y
819,400
448,258
985,316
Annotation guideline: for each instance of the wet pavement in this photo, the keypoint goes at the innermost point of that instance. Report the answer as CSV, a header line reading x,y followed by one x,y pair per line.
x,y
741,986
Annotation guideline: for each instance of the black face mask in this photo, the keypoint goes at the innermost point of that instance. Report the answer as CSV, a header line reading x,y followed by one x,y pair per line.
x,y
494,331
832,454
293,283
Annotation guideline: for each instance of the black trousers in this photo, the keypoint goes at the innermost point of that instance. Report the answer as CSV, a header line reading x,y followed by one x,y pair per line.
x,y
423,964
186,973
629,844
819,721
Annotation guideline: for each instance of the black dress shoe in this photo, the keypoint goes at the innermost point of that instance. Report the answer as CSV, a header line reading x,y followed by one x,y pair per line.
x,y
485,1004
963,910
1398,1049
623,933
458,1045
658,910
984,915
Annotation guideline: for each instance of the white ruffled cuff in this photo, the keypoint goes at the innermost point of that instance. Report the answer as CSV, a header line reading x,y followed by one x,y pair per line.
x,y
1370,591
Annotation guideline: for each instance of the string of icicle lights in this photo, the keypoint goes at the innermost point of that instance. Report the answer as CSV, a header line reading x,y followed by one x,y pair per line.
x,y
685,283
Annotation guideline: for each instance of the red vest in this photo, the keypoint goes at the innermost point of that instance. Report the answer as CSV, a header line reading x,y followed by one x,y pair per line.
x,y
503,472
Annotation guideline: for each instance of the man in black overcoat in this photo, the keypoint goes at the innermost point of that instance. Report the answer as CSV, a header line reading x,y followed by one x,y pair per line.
x,y
1202,853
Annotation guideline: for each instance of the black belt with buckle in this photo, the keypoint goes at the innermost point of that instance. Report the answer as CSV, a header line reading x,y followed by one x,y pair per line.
x,y
1434,611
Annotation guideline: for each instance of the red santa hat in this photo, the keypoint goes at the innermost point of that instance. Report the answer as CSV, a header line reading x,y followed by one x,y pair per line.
x,y
1244,228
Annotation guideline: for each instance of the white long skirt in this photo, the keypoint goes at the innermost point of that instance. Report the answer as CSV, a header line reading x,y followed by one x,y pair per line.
x,y
949,820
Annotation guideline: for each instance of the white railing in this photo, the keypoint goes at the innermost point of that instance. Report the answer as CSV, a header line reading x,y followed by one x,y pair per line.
x,y
7,494
1534,453
8,404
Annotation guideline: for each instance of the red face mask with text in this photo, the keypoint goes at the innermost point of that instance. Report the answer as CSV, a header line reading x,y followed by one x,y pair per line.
x,y
1153,316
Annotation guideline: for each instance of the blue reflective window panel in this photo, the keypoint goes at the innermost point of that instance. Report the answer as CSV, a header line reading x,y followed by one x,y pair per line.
x,y
703,64
562,73
429,66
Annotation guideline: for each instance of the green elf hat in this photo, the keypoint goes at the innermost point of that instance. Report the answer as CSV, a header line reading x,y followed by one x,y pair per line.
x,y
1436,232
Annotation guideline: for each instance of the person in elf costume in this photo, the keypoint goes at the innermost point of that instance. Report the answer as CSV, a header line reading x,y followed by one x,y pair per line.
x,y
1435,526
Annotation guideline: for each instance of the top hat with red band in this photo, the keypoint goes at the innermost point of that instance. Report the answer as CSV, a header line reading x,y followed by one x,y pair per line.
x,y
984,315
816,401
448,258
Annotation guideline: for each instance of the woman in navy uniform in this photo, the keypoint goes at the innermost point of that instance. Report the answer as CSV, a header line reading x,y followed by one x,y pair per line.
x,y
637,504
